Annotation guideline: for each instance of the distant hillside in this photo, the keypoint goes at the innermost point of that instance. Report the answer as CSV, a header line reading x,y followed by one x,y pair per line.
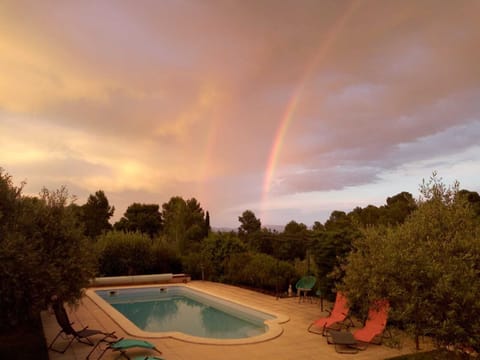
x,y
223,229
277,228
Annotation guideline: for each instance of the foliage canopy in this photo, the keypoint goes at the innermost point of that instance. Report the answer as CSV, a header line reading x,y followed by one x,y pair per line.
x,y
145,218
96,213
42,252
428,268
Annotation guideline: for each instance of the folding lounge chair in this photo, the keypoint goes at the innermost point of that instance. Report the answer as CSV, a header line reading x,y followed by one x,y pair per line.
x,y
372,332
305,284
337,318
69,332
122,345
375,325
344,341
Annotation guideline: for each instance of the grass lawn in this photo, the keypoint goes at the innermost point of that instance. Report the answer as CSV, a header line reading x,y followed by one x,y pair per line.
x,y
24,343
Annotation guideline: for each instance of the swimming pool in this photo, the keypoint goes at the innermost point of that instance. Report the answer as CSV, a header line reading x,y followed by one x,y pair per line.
x,y
185,313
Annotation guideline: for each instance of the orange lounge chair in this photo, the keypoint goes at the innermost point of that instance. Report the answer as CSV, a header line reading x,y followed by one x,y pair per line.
x,y
372,332
375,325
336,319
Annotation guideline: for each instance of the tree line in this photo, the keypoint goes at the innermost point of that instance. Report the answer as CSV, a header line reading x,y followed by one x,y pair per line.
x,y
422,254
181,229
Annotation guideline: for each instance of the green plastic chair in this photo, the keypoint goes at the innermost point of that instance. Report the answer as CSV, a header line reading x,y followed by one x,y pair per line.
x,y
304,285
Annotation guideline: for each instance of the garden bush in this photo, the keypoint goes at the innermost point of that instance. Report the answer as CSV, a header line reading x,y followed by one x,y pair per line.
x,y
164,259
134,253
428,268
42,251
261,271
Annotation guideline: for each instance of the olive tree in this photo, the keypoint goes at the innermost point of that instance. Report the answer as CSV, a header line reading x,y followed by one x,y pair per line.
x,y
428,268
42,251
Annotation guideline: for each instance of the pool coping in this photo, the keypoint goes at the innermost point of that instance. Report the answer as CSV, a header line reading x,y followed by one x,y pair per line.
x,y
274,325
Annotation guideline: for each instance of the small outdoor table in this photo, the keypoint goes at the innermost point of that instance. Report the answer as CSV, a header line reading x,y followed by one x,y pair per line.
x,y
343,340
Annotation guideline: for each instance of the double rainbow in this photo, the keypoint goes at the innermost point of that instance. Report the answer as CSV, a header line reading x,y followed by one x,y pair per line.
x,y
297,94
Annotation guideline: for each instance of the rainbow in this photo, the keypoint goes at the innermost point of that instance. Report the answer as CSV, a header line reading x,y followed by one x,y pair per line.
x,y
292,104
279,138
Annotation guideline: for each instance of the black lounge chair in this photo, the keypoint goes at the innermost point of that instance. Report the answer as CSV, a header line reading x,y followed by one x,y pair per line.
x,y
344,341
69,332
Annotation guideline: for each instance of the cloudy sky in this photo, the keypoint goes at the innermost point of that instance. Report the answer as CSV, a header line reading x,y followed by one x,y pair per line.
x,y
291,109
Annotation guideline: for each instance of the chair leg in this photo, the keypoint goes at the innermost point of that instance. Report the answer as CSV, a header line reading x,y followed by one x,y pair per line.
x,y
50,347
55,339
345,349
85,341
325,331
97,345
362,345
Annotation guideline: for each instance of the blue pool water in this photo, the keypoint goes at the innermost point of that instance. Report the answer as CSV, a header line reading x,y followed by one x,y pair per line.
x,y
185,310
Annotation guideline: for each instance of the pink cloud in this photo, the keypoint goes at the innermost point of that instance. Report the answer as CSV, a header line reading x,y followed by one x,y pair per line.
x,y
201,87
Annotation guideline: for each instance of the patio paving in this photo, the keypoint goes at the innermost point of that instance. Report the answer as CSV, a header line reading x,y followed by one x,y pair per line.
x,y
294,343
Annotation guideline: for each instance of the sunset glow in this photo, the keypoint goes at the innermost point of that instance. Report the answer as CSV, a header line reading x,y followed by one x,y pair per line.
x,y
291,109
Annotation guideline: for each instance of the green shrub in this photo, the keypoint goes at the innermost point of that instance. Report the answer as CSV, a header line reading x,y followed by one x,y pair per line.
x,y
260,271
428,268
134,253
122,253
193,264
217,250
42,251
164,259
